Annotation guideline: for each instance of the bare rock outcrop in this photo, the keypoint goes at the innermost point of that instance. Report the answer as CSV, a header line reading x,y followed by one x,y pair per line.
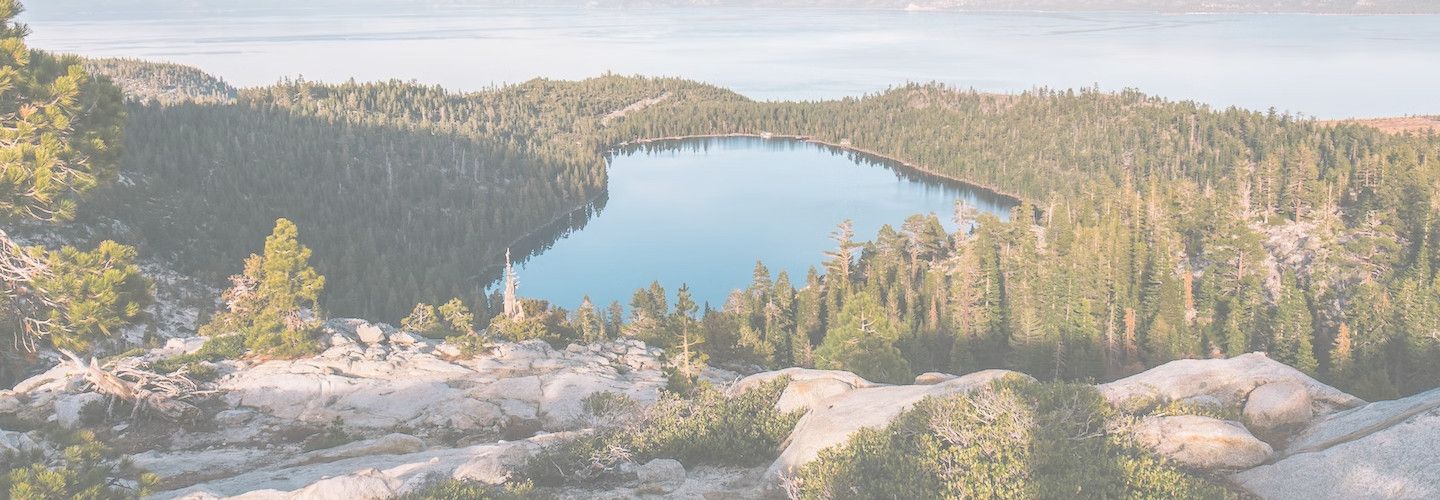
x,y
15,443
1276,407
1202,442
1227,381
1388,449
661,475
409,384
367,477
413,412
932,378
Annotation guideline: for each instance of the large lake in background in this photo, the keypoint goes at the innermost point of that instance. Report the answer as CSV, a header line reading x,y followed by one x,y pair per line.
x,y
703,211
1323,66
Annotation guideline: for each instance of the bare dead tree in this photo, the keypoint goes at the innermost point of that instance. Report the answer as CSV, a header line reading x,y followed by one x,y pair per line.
x,y
19,272
169,395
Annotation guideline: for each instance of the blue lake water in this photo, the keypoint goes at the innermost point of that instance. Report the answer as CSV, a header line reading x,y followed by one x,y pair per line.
x,y
703,211
1324,66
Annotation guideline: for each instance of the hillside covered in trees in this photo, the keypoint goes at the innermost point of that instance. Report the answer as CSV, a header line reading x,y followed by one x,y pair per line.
x,y
1161,230
1147,231
406,192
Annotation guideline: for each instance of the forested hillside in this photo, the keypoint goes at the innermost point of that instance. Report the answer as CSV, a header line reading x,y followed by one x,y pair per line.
x,y
1161,230
145,81
406,192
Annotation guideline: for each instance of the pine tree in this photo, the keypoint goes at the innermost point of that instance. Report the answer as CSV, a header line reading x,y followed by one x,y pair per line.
x,y
422,320
458,318
687,361
839,260
288,283
614,319
863,341
1291,327
588,322
59,132
513,309
103,291
809,319
272,303
1342,353
780,322
59,128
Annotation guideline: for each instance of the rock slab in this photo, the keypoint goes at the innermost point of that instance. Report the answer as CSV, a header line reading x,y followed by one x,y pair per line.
x,y
1386,450
1202,442
1278,406
661,475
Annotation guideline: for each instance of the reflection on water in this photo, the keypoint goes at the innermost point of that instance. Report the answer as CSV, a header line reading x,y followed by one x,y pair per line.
x,y
702,211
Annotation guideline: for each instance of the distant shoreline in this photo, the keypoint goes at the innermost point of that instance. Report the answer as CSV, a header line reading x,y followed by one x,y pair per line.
x,y
913,167
65,10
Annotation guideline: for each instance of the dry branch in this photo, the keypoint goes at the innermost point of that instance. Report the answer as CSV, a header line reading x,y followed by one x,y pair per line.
x,y
167,395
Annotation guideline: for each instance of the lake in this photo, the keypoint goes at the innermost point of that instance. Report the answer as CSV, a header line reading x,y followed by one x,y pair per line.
x,y
703,211
1324,66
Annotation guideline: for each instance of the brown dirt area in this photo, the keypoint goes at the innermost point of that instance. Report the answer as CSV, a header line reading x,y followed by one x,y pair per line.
x,y
1398,125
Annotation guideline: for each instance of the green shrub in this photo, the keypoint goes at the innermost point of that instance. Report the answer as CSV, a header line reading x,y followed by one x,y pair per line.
x,y
975,447
470,345
609,408
707,427
333,435
455,489
85,469
201,372
214,349
1010,440
423,321
1222,412
451,319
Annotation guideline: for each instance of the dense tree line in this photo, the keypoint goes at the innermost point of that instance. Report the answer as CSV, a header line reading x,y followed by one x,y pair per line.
x,y
1152,231
406,192
144,81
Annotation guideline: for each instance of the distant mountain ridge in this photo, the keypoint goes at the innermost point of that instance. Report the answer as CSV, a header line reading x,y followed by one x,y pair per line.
x,y
61,9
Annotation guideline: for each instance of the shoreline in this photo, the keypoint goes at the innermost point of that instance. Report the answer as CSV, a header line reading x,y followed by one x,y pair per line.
x,y
568,215
912,167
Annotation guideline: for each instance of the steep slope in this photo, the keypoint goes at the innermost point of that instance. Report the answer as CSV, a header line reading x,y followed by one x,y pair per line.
x,y
394,184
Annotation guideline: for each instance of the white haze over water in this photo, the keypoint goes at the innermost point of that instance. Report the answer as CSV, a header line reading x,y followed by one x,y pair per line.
x,y
1323,66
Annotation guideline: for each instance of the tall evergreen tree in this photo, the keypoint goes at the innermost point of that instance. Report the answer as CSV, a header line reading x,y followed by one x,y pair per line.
x,y
863,341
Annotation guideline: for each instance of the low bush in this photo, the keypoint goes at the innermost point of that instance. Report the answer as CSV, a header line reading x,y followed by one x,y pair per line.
x,y
1011,440
455,489
1222,412
470,345
214,349
333,435
85,469
707,427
